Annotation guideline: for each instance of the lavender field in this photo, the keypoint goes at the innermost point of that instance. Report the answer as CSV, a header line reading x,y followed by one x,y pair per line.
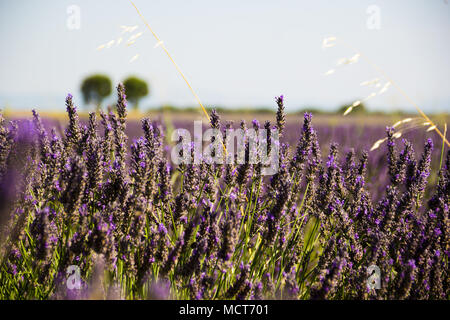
x,y
100,201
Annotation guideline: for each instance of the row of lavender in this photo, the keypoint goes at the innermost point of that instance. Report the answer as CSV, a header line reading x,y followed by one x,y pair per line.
x,y
357,136
137,227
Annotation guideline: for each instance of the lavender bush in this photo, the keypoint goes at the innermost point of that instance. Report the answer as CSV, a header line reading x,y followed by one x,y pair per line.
x,y
139,228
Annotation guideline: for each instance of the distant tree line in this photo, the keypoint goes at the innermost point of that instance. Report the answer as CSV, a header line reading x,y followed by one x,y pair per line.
x,y
97,87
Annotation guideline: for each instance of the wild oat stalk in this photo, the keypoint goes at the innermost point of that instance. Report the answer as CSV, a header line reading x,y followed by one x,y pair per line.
x,y
331,42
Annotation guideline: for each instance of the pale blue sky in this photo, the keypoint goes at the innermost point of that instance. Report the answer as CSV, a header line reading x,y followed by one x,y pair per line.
x,y
235,53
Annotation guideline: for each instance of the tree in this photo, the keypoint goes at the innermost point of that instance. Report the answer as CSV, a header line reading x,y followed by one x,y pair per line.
x,y
95,88
135,90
